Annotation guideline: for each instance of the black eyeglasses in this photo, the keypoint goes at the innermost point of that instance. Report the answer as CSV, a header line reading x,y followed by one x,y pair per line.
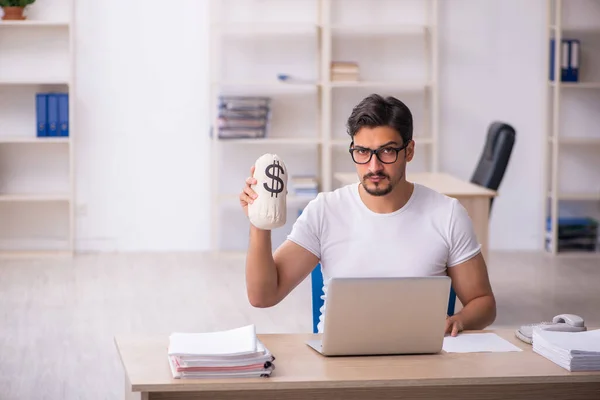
x,y
387,154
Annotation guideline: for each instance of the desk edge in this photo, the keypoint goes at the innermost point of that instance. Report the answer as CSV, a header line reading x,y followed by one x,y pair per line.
x,y
238,385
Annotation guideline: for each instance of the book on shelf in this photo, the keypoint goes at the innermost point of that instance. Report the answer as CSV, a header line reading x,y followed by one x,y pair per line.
x,y
344,71
243,117
233,353
573,351
52,114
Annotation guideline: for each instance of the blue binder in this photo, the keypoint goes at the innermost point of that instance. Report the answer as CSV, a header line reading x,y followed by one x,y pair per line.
x,y
569,60
574,57
41,110
52,114
564,60
63,114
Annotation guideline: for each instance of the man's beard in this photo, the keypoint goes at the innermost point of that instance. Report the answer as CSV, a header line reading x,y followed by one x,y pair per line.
x,y
381,188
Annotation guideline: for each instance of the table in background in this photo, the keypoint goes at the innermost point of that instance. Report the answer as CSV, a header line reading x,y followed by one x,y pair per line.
x,y
302,373
475,198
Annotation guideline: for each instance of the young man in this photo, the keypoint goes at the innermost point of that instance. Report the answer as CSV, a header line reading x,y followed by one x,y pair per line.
x,y
382,226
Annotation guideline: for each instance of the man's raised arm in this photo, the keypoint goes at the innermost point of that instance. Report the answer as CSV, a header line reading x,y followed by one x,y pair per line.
x,y
271,277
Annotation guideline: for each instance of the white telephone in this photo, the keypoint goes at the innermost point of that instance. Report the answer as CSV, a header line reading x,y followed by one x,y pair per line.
x,y
560,323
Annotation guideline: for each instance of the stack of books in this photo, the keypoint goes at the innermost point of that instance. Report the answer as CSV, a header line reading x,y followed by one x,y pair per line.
x,y
574,234
235,353
243,116
344,71
574,351
304,186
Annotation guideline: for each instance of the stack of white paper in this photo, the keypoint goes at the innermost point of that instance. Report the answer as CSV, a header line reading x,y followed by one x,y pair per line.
x,y
224,354
574,351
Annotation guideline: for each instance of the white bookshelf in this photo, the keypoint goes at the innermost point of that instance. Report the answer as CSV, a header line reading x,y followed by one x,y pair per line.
x,y
36,173
573,143
395,45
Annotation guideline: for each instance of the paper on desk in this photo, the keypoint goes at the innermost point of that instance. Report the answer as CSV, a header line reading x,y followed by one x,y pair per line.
x,y
477,343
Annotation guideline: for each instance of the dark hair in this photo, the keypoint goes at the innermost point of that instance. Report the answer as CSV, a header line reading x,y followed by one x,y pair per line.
x,y
374,111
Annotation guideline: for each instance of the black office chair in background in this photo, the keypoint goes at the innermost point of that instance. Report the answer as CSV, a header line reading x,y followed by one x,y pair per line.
x,y
495,156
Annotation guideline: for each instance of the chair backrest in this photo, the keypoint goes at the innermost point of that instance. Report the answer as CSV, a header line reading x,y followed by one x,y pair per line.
x,y
495,156
317,300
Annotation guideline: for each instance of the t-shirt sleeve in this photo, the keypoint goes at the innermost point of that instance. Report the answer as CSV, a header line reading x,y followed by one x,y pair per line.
x,y
307,227
463,241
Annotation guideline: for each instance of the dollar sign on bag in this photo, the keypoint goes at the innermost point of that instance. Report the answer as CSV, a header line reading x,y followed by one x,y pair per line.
x,y
273,171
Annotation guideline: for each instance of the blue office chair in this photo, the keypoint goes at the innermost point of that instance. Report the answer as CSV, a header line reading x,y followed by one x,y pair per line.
x,y
317,291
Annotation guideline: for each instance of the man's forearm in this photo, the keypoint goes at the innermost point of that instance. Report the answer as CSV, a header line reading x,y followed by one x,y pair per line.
x,y
479,313
261,272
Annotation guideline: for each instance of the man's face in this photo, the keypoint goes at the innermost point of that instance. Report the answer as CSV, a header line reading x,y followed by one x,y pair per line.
x,y
379,178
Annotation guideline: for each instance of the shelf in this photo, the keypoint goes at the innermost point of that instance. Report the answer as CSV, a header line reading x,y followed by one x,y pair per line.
x,y
35,23
37,174
275,83
577,196
13,198
49,82
272,141
376,30
266,28
571,187
309,111
409,86
577,85
264,88
577,141
573,30
305,141
34,140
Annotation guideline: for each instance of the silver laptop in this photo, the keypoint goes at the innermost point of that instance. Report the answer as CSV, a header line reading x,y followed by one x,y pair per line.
x,y
384,316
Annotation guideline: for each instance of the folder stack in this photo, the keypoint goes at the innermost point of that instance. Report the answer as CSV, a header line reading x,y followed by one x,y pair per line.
x,y
574,234
243,116
52,114
570,53
235,353
574,351
344,71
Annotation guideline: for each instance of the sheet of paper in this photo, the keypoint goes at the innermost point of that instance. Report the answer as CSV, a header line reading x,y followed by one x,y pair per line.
x,y
221,343
477,343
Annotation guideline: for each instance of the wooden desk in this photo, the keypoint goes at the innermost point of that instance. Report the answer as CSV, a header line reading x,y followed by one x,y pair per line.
x,y
302,373
474,198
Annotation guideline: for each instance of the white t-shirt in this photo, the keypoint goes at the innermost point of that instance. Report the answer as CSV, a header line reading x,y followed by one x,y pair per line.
x,y
430,233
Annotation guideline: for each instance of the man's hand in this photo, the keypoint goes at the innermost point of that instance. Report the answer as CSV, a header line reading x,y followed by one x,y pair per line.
x,y
247,196
454,325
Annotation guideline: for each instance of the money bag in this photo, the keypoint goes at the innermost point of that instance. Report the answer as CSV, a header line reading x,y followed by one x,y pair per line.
x,y
269,209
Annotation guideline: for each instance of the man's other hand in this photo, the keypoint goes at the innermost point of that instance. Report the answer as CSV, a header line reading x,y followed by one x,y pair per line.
x,y
454,325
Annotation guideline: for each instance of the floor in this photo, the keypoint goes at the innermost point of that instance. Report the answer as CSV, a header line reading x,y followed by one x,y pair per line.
x,y
58,316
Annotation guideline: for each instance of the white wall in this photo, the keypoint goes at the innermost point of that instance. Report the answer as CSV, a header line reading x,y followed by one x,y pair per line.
x,y
142,125
492,72
142,117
